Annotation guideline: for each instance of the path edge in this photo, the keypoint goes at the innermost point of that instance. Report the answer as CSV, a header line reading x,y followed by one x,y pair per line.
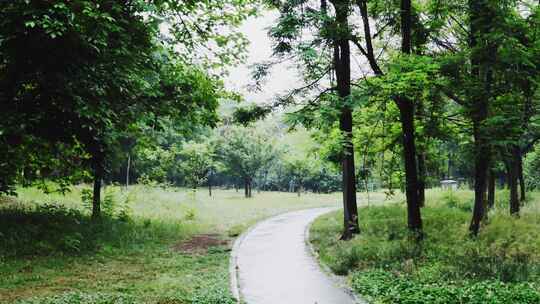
x,y
233,263
339,281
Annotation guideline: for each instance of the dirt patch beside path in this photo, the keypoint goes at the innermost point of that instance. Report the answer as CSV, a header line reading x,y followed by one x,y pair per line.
x,y
200,243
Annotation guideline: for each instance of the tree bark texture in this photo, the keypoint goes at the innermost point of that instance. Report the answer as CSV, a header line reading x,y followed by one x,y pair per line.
x,y
98,177
521,178
479,104
491,189
342,67
406,111
512,169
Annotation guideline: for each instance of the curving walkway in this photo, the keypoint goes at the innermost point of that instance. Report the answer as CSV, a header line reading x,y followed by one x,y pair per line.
x,y
273,264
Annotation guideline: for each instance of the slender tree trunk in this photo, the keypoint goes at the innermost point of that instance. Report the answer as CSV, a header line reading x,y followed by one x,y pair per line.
x,y
480,168
127,170
422,178
249,187
481,60
342,66
246,187
522,188
406,111
513,177
98,177
513,185
485,202
491,189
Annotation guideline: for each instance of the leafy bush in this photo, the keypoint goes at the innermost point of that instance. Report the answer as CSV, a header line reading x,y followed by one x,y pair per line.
x,y
385,287
451,200
213,294
236,230
82,298
190,214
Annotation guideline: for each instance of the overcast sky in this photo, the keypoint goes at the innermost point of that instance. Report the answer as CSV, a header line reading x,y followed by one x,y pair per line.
x,y
283,77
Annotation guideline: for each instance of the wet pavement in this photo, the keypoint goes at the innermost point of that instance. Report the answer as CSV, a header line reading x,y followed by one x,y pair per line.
x,y
275,265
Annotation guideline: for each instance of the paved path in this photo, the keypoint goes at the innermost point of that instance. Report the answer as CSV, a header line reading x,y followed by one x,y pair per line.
x,y
275,266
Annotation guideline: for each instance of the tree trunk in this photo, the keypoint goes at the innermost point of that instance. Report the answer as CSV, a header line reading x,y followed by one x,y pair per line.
x,y
127,170
481,164
249,187
522,188
246,188
406,111
481,60
209,188
414,218
513,176
491,189
342,67
485,207
513,185
98,177
422,178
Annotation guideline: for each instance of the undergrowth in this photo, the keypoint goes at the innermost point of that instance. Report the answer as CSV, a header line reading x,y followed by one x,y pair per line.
x,y
117,258
54,229
386,265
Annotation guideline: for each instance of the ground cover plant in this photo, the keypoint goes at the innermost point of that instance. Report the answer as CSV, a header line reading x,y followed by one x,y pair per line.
x,y
385,264
52,251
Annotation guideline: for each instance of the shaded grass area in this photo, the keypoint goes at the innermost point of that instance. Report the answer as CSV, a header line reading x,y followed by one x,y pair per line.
x,y
385,265
52,252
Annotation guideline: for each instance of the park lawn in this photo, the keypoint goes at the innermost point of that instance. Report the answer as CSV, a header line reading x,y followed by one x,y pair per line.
x,y
385,265
51,251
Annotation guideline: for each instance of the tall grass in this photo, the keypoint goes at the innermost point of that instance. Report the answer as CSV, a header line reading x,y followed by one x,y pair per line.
x,y
52,252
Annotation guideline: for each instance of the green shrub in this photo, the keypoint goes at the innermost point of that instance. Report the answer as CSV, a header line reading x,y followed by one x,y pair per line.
x,y
236,230
82,298
384,287
213,294
190,214
451,200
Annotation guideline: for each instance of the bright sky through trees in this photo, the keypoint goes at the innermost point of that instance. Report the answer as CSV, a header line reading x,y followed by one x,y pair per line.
x,y
260,49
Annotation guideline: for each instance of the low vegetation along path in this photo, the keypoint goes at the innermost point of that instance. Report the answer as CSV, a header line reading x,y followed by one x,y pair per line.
x,y
274,264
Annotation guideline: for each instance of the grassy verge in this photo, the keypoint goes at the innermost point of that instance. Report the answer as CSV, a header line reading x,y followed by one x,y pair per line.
x,y
384,265
51,252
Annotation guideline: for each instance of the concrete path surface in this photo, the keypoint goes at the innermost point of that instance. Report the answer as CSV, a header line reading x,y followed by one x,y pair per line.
x,y
274,265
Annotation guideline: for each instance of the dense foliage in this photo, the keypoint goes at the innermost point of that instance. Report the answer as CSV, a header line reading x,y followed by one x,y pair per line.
x,y
79,77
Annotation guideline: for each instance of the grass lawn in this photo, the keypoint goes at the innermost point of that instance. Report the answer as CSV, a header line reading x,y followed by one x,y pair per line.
x,y
51,252
385,265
